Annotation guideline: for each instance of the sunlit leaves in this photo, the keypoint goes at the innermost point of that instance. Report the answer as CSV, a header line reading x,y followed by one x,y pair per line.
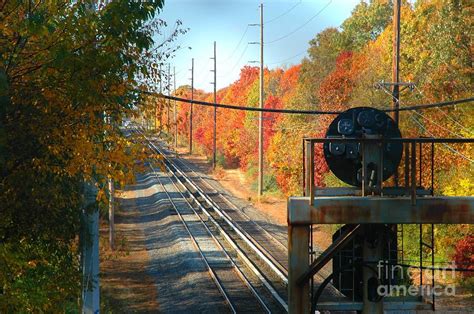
x,y
69,74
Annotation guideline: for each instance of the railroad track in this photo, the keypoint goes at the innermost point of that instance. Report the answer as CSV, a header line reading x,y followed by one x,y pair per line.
x,y
270,295
234,286
270,243
275,249
258,248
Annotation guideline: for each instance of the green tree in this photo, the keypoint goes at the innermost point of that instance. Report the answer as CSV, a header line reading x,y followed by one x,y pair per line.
x,y
366,23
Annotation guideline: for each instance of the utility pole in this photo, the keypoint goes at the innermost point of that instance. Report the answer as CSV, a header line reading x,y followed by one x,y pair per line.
x,y
396,59
393,87
168,86
89,238
261,102
191,109
154,116
260,120
175,112
395,68
111,214
90,251
161,92
215,110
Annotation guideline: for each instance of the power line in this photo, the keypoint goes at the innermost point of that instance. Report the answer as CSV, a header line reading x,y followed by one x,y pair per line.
x,y
444,144
437,124
237,62
445,114
433,105
287,59
283,14
203,70
311,112
301,26
238,44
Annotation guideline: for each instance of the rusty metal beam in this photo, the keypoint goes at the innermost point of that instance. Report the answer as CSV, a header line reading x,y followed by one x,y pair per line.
x,y
356,191
362,210
298,261
309,168
328,254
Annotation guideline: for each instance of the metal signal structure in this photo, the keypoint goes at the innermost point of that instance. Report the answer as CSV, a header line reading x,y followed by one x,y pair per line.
x,y
364,148
345,159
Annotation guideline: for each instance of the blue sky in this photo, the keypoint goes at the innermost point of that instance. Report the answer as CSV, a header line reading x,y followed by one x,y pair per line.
x,y
291,24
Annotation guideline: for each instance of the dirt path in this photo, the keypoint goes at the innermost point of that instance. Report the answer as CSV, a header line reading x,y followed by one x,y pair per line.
x,y
125,283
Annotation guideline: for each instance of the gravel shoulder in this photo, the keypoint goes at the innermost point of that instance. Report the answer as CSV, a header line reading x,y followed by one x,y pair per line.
x,y
126,285
162,271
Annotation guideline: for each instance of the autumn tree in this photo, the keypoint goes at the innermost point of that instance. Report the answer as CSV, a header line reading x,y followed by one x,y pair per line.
x,y
68,75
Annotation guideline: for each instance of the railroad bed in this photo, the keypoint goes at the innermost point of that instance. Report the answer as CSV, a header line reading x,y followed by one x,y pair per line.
x,y
243,286
257,253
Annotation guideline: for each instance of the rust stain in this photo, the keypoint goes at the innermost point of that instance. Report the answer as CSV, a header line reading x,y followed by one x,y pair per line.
x,y
438,211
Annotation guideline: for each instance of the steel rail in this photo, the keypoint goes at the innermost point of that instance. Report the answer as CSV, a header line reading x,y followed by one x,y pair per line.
x,y
234,245
240,212
219,245
232,242
260,247
231,204
198,248
282,275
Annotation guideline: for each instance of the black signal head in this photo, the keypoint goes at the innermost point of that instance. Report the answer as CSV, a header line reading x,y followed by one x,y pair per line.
x,y
345,159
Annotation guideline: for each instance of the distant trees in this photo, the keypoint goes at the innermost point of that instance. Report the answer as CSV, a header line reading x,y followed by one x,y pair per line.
x,y
340,72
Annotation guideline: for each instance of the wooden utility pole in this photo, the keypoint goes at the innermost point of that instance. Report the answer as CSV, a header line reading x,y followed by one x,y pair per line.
x,y
111,214
168,87
191,109
175,111
161,92
395,68
396,59
215,111
260,120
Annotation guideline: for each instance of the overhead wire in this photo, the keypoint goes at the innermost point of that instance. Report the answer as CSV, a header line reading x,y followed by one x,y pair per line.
x,y
238,44
444,144
287,59
237,62
445,114
283,128
301,26
438,125
424,129
314,112
284,13
203,70
424,117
